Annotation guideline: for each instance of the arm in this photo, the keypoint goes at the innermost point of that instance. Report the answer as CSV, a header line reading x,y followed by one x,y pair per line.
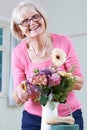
x,y
72,59
19,76
79,83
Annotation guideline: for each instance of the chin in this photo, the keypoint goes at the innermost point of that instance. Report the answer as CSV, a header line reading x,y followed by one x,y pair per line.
x,y
36,34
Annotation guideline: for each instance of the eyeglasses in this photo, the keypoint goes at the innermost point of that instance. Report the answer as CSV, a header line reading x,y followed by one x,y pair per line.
x,y
27,21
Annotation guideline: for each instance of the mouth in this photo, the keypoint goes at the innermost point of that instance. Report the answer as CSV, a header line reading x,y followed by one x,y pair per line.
x,y
34,28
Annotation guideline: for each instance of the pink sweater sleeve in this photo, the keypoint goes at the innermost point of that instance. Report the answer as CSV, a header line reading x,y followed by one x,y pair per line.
x,y
72,57
17,69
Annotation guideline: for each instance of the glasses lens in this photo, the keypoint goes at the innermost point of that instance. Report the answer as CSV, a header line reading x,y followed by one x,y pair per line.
x,y
36,17
25,22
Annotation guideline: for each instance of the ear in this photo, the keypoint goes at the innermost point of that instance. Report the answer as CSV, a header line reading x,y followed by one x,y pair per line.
x,y
19,32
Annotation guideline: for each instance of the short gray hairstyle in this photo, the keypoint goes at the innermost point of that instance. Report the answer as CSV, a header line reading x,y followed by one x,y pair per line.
x,y
20,9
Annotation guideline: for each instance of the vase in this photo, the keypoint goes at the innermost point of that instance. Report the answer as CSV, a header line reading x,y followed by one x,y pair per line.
x,y
48,112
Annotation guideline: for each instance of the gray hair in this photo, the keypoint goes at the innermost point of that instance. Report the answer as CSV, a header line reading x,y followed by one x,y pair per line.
x,y
20,9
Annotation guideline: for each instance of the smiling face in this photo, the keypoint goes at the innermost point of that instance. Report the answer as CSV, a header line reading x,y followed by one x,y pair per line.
x,y
32,15
32,24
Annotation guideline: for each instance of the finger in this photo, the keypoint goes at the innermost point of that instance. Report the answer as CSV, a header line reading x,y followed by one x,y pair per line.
x,y
20,92
18,100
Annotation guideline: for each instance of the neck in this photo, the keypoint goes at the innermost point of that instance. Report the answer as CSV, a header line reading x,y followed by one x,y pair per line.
x,y
38,43
39,46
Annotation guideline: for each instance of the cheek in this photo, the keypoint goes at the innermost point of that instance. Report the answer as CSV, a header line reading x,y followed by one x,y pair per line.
x,y
25,31
42,23
42,27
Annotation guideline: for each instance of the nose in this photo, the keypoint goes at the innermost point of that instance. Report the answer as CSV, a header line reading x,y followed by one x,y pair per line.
x,y
31,22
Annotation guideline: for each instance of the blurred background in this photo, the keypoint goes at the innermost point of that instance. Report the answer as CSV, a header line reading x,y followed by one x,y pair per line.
x,y
64,17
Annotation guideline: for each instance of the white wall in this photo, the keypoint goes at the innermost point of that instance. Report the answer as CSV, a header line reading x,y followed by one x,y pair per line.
x,y
67,17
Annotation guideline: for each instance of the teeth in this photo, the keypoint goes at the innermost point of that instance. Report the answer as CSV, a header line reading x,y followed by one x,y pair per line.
x,y
33,28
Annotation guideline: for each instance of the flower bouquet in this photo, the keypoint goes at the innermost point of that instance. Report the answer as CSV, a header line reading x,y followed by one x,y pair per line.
x,y
50,85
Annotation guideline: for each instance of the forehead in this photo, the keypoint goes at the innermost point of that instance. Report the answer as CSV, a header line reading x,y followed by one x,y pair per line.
x,y
26,13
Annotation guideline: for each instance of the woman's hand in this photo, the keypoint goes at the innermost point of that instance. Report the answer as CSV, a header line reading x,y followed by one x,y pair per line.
x,y
79,83
79,80
20,94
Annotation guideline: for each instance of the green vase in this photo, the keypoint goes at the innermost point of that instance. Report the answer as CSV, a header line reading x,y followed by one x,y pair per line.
x,y
64,127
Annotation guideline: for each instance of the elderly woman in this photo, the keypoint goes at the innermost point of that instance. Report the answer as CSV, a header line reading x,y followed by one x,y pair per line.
x,y
29,24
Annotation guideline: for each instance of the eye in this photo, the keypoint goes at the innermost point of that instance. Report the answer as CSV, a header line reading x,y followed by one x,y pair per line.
x,y
24,22
36,17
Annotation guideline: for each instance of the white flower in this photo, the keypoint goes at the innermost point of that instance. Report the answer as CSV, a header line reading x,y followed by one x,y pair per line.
x,y
65,74
58,56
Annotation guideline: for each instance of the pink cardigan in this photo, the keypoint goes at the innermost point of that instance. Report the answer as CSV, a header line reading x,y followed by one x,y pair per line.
x,y
22,69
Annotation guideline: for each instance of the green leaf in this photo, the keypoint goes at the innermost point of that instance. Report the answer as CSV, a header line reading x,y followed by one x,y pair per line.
x,y
52,105
43,100
63,98
36,71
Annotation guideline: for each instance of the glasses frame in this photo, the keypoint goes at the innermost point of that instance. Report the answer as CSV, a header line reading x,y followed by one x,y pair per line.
x,y
29,20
